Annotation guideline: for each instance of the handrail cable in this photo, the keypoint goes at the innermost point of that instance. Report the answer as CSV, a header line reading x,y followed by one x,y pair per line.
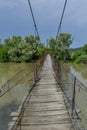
x,y
35,25
61,20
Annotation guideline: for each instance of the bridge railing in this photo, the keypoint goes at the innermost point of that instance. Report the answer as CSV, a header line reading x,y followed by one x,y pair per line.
x,y
15,124
8,84
13,81
75,93
18,77
79,99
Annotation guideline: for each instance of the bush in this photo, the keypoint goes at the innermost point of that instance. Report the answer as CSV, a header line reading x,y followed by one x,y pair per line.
x,y
82,59
76,55
85,48
3,55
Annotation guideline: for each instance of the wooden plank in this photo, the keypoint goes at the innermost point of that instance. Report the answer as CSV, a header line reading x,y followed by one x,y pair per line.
x,y
15,114
43,99
10,125
47,80
45,73
37,85
47,104
40,88
47,87
45,113
45,120
45,108
46,77
47,83
44,92
48,127
14,119
56,97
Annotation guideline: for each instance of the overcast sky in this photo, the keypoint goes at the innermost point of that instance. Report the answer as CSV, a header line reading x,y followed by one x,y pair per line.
x,y
15,19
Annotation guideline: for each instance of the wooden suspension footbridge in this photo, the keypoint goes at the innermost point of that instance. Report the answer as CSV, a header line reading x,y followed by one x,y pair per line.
x,y
44,107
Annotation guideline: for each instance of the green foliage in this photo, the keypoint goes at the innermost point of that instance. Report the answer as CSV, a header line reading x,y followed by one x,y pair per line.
x,y
66,39
42,50
17,50
3,54
76,49
82,59
60,47
79,55
85,48
76,55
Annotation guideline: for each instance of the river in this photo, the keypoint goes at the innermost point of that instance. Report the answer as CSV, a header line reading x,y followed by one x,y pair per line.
x,y
80,72
10,101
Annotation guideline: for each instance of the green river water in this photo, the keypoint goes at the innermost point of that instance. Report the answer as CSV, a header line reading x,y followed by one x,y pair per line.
x,y
80,72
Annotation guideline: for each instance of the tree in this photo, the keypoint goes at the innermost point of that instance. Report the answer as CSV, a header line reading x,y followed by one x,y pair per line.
x,y
76,54
16,49
42,50
7,41
33,45
0,41
85,48
52,44
66,39
60,46
3,54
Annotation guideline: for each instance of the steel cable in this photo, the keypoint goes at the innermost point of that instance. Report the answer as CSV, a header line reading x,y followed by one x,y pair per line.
x,y
61,20
35,25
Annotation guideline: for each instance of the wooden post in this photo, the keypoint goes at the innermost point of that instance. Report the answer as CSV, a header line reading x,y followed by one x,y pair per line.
x,y
20,125
74,96
33,72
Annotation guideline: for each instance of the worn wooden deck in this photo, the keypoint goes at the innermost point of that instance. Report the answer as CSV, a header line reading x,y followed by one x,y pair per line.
x,y
46,109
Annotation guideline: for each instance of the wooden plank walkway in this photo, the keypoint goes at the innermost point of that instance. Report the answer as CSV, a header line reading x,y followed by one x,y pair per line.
x,y
46,109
